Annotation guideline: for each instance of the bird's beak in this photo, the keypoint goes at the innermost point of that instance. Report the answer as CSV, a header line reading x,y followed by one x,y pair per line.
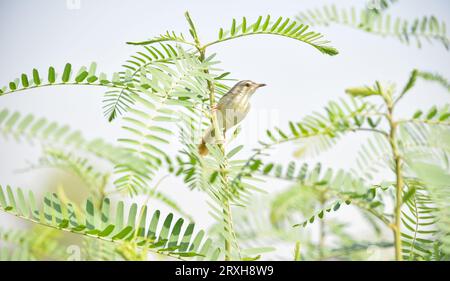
x,y
261,85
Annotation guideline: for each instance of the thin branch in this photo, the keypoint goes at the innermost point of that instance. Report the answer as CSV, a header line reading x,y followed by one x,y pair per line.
x,y
373,131
263,33
112,85
152,41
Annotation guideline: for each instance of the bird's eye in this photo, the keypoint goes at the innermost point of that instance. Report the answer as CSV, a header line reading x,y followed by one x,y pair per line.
x,y
247,84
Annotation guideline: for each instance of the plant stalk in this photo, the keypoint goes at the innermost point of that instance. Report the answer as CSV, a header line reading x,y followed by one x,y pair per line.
x,y
223,168
218,135
322,227
396,227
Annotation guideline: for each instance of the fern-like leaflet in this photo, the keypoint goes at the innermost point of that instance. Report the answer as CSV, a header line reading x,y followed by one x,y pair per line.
x,y
171,89
111,224
263,25
426,28
117,102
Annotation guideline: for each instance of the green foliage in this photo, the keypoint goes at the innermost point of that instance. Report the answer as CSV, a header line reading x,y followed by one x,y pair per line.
x,y
79,166
85,76
210,177
204,173
158,85
362,92
411,82
432,170
435,77
100,250
166,92
383,91
29,128
319,131
36,243
15,254
418,221
379,6
427,28
96,181
433,116
146,123
427,76
255,227
396,140
373,157
110,224
254,231
264,25
280,26
52,134
169,36
48,133
118,101
320,215
334,189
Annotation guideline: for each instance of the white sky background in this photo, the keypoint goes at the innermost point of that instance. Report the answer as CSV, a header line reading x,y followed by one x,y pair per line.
x,y
36,34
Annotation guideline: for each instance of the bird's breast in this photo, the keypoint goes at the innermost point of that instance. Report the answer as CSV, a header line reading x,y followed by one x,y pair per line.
x,y
233,110
233,102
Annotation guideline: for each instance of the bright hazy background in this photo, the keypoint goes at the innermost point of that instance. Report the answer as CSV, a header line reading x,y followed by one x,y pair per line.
x,y
36,34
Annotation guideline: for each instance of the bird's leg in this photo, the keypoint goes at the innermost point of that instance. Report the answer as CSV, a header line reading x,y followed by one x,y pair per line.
x,y
209,113
214,109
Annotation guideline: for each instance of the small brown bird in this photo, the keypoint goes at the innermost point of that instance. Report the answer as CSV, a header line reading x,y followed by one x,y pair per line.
x,y
231,109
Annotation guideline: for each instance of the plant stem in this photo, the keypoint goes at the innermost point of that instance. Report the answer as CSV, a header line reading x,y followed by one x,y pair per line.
x,y
223,168
297,256
68,84
255,33
322,227
218,136
396,227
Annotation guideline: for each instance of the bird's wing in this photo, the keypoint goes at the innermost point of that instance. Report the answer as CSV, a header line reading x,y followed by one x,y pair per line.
x,y
224,101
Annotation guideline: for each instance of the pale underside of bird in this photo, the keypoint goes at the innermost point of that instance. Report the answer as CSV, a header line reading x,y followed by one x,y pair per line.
x,y
231,109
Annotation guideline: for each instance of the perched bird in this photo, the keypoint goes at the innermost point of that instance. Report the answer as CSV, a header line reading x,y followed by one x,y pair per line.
x,y
231,109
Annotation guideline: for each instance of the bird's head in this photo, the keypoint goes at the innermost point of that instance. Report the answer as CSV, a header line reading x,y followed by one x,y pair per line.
x,y
246,87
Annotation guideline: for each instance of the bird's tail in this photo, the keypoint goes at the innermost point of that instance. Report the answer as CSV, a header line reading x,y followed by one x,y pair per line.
x,y
202,149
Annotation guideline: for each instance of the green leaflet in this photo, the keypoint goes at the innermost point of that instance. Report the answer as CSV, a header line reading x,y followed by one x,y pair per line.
x,y
83,77
435,77
66,74
36,78
418,216
418,30
61,138
294,31
57,214
136,70
282,27
323,129
148,139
